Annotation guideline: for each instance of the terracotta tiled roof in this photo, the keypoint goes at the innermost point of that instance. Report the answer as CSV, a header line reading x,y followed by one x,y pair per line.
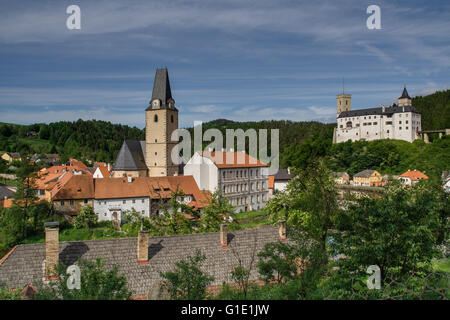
x,y
414,175
72,186
153,187
231,159
271,182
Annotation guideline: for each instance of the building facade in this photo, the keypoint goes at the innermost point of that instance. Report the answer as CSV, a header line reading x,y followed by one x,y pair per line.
x,y
402,122
244,183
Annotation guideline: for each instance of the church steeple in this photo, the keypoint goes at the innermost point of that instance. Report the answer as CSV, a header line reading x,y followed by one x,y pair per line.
x,y
162,95
405,99
161,122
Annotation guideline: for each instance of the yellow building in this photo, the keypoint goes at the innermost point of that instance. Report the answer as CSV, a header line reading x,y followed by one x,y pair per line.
x,y
14,156
368,178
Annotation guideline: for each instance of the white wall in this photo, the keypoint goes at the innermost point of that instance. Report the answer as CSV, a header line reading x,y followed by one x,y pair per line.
x,y
404,126
204,171
104,207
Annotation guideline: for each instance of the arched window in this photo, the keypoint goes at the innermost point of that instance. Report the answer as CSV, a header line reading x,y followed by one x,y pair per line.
x,y
156,118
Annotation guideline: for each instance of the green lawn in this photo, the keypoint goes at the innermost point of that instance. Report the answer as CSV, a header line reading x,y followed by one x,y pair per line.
x,y
442,265
250,219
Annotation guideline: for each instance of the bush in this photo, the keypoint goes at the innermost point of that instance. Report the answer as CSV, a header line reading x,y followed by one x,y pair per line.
x,y
87,218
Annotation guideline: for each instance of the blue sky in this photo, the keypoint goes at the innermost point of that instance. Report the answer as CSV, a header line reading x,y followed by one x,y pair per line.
x,y
240,60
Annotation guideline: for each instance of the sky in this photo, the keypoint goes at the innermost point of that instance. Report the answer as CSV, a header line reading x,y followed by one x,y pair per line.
x,y
237,59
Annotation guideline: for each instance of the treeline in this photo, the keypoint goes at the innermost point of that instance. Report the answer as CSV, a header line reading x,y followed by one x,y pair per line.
x,y
96,140
435,109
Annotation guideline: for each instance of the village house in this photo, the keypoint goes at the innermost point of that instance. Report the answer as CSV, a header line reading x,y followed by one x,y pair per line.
x,y
6,196
411,177
72,192
102,172
141,259
242,179
11,156
115,196
368,178
341,177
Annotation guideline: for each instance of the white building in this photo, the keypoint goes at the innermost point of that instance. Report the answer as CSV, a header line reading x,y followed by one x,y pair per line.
x,y
146,195
242,179
402,122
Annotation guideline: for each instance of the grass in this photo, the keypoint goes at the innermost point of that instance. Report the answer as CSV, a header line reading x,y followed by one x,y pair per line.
x,y
442,265
9,182
251,219
103,231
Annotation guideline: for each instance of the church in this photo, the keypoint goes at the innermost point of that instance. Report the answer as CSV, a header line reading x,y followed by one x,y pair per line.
x,y
152,157
400,122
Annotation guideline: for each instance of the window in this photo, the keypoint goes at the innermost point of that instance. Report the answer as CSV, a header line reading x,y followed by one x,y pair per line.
x,y
400,128
124,201
406,121
388,131
72,202
142,200
143,212
62,203
399,122
85,201
406,128
134,200
155,118
171,118
42,192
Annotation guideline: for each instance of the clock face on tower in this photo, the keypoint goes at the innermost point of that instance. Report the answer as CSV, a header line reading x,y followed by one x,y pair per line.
x,y
155,104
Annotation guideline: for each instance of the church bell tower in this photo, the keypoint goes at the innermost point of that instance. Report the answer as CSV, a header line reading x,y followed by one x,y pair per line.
x,y
161,119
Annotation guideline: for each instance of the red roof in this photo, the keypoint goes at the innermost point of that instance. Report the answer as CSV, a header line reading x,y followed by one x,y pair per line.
x,y
231,159
414,175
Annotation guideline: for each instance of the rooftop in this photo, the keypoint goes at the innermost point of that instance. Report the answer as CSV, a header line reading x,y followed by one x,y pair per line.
x,y
232,159
24,264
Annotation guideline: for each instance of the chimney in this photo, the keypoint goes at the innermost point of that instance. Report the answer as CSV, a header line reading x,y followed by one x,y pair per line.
x,y
142,247
223,236
282,230
109,167
51,250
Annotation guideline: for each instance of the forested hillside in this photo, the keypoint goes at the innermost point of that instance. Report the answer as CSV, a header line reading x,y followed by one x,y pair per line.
x,y
435,109
96,140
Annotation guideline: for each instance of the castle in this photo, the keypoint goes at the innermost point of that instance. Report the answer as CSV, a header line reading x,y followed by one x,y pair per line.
x,y
401,122
152,157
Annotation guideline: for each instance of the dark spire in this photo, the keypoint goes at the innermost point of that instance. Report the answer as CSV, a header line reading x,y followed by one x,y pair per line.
x,y
161,87
405,94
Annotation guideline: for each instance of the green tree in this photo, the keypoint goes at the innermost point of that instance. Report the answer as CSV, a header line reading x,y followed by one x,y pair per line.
x,y
309,202
213,214
25,195
97,283
187,281
398,232
87,218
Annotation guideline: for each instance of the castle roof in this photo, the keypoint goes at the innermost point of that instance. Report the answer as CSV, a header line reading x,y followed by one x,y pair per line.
x,y
377,111
405,94
131,156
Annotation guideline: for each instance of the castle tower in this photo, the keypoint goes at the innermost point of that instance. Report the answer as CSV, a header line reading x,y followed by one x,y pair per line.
x,y
161,119
405,99
344,102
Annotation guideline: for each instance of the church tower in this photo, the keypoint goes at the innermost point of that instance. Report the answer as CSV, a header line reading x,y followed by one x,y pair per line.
x,y
405,99
344,102
161,119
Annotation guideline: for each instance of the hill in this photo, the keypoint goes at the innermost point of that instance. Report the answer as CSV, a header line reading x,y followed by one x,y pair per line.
x,y
435,109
